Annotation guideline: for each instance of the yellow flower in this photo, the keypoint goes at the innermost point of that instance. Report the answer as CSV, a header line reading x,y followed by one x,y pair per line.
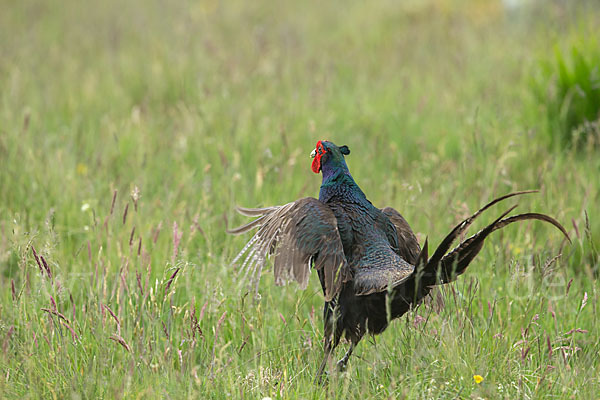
x,y
478,378
82,169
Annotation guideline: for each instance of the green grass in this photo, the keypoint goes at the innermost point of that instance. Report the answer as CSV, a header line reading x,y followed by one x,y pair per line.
x,y
569,88
202,106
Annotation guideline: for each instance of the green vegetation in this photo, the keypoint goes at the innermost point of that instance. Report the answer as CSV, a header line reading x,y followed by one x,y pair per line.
x,y
569,89
184,110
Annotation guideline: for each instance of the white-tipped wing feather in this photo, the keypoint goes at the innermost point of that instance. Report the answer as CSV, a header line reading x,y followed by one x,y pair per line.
x,y
294,235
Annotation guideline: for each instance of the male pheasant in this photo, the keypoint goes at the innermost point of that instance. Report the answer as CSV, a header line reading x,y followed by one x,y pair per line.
x,y
365,257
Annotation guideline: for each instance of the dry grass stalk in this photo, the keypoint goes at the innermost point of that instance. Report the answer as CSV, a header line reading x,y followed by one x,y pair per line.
x,y
156,232
114,317
125,213
176,240
214,350
37,260
121,341
46,267
171,279
131,236
112,204
55,312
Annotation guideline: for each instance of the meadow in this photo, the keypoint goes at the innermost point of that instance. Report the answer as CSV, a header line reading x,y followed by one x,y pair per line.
x,y
129,131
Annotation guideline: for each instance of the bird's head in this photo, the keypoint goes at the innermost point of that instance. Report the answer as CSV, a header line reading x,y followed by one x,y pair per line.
x,y
327,153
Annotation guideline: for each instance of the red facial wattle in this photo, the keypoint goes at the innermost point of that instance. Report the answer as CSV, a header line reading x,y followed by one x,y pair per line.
x,y
316,163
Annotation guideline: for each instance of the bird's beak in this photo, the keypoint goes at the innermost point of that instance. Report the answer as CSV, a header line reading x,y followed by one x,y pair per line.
x,y
313,154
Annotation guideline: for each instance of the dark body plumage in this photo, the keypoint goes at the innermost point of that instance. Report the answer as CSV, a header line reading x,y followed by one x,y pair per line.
x,y
366,257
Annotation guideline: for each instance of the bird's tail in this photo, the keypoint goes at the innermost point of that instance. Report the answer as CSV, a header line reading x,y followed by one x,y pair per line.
x,y
444,266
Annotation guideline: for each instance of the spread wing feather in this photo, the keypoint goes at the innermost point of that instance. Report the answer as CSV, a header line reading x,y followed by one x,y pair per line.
x,y
294,235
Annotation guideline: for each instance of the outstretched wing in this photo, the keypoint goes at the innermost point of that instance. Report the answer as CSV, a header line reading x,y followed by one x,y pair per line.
x,y
294,234
408,246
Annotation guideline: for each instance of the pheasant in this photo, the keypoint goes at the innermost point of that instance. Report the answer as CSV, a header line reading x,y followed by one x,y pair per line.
x,y
365,257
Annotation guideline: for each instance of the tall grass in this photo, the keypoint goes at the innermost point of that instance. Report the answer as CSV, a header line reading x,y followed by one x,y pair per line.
x,y
129,131
569,90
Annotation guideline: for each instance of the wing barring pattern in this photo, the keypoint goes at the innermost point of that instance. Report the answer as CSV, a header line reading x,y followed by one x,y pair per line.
x,y
295,235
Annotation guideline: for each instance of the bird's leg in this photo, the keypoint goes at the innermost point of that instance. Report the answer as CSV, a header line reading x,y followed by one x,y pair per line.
x,y
330,341
326,353
341,365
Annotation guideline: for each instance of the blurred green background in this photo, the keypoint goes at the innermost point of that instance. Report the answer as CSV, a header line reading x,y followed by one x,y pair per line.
x,y
130,130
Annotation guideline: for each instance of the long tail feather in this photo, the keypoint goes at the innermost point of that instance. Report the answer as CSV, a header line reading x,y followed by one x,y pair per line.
x,y
540,217
461,227
423,255
456,262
